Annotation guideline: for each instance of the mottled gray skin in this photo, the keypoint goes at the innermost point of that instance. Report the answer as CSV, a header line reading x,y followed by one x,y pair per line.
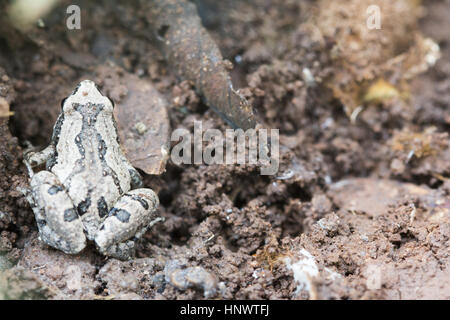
x,y
85,192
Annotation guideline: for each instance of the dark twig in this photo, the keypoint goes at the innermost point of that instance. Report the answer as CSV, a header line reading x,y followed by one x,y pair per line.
x,y
194,56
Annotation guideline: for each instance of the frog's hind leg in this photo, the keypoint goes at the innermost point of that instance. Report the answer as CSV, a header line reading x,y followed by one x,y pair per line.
x,y
132,215
57,218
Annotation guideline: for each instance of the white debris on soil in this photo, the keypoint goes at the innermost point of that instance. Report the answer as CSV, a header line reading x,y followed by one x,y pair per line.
x,y
73,277
305,270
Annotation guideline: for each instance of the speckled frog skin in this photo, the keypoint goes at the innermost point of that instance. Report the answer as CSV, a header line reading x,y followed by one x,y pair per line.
x,y
84,193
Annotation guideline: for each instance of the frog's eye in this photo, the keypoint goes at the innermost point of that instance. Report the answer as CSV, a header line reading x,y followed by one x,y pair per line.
x,y
112,102
62,102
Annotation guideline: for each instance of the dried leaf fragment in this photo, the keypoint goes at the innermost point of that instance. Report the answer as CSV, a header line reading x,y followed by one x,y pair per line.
x,y
142,119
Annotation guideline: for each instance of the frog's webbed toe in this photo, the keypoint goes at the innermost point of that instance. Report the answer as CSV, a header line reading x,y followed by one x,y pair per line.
x,y
57,218
127,221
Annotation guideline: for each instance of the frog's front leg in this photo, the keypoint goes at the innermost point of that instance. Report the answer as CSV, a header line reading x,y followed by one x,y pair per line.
x,y
59,224
32,159
128,220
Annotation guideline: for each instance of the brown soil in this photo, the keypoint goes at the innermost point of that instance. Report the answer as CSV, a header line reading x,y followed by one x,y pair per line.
x,y
350,215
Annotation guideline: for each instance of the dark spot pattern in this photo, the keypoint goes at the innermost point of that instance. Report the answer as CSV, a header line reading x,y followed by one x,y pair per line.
x,y
102,207
83,206
54,189
90,112
55,139
102,151
101,147
88,132
51,161
120,214
139,199
143,203
70,215
85,140
136,179
41,223
80,146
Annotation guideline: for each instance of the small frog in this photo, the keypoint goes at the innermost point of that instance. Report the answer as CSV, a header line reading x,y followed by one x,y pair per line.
x,y
84,193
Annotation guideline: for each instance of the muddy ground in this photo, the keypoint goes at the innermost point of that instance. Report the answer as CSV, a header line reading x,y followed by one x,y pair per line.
x,y
351,214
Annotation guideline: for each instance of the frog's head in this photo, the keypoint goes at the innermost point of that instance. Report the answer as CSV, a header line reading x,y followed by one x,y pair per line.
x,y
86,93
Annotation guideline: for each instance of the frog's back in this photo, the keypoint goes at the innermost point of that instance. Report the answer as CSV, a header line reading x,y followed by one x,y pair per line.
x,y
89,162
